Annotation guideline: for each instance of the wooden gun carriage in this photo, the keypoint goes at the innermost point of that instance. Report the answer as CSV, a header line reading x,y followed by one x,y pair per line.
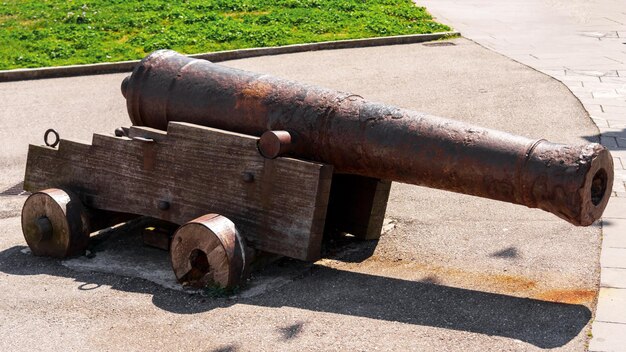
x,y
281,163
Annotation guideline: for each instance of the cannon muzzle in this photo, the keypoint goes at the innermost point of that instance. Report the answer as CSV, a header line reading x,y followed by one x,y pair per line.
x,y
372,139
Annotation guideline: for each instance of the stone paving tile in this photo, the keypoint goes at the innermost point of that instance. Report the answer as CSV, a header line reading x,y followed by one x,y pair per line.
x,y
583,78
594,109
620,177
571,83
611,116
611,305
613,258
591,73
584,64
608,337
618,80
560,56
601,123
616,209
609,142
584,96
614,124
600,34
602,102
605,85
615,109
617,162
600,116
613,132
609,64
577,87
608,94
614,233
616,57
554,72
619,153
619,187
613,278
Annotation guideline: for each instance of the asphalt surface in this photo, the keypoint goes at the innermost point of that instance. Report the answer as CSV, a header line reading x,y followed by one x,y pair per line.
x,y
456,273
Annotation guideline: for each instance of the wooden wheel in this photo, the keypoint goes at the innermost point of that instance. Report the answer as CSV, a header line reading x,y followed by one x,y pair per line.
x,y
55,224
208,251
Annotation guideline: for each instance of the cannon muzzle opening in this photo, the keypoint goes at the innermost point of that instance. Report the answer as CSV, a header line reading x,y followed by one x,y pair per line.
x,y
598,187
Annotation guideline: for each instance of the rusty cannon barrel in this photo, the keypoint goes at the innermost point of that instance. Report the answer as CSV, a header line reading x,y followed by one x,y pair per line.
x,y
372,139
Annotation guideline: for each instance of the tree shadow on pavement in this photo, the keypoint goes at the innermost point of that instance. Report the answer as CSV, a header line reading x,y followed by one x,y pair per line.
x,y
323,289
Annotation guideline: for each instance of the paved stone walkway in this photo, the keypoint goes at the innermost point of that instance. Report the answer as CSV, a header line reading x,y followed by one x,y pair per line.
x,y
581,43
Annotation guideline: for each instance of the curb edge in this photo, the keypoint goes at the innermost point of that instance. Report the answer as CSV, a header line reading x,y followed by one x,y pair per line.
x,y
127,66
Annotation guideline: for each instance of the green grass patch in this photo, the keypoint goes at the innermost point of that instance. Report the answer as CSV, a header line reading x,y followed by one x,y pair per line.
x,y
36,33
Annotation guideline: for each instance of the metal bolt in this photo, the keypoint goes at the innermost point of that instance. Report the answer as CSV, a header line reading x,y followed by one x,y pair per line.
x,y
119,132
248,177
163,205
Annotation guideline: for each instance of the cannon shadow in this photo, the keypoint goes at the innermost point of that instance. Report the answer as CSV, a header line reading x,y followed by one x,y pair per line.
x,y
323,289
614,140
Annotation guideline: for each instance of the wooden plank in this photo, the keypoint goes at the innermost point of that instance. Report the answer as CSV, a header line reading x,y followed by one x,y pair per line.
x,y
377,211
195,170
357,205
146,132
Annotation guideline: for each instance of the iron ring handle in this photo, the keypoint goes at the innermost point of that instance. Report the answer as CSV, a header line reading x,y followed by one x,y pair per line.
x,y
57,139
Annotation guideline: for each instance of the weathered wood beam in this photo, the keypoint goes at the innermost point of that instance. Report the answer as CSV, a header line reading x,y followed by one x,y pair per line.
x,y
279,205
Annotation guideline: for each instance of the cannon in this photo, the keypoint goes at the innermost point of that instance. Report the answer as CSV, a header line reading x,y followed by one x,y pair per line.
x,y
282,163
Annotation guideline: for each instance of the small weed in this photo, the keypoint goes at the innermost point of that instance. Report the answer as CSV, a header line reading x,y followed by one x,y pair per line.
x,y
56,32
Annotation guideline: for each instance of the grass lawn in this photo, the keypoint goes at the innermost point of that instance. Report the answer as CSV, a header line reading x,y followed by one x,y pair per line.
x,y
35,33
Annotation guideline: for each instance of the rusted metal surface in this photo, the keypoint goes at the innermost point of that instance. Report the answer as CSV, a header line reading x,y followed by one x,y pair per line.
x,y
273,144
208,251
55,223
373,139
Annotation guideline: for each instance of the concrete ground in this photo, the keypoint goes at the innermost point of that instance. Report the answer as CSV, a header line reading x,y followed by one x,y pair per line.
x,y
456,273
582,44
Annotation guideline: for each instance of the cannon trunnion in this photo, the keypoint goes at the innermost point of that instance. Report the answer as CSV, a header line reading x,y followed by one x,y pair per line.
x,y
248,164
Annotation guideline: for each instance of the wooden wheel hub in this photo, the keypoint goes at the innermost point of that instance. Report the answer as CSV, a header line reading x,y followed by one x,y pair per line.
x,y
55,224
208,251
